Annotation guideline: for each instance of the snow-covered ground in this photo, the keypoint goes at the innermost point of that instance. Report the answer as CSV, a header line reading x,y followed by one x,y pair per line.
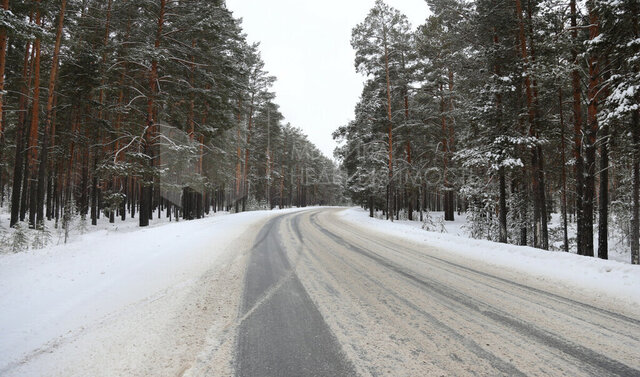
x,y
67,296
78,228
618,247
613,279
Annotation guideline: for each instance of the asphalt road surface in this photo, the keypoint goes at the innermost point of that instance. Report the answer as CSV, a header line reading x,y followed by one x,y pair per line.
x,y
323,297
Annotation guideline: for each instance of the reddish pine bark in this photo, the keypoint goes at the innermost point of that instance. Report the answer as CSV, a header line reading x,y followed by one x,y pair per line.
x,y
577,130
42,170
17,189
3,61
563,177
146,194
32,170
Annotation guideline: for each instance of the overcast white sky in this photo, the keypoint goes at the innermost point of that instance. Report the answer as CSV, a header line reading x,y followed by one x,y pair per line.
x,y
306,45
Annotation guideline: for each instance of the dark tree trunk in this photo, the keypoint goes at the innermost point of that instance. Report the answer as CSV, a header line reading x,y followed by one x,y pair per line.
x,y
410,203
388,200
44,153
17,175
603,210
135,197
123,190
32,169
3,54
146,195
524,213
33,198
50,193
542,198
565,243
84,184
24,197
540,237
590,137
370,205
537,228
635,214
146,192
447,194
390,124
577,131
503,206
502,237
94,194
542,193
635,130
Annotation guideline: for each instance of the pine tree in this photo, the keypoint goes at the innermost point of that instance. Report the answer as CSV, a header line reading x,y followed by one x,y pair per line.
x,y
137,121
379,42
511,77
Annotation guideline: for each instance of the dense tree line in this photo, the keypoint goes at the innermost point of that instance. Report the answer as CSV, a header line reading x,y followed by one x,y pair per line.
x,y
125,108
508,110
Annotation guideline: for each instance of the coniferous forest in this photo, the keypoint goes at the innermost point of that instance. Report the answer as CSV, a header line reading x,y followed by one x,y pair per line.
x,y
143,108
511,111
160,217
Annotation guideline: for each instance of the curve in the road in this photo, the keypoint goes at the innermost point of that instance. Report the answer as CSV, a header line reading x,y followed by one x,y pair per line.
x,y
326,298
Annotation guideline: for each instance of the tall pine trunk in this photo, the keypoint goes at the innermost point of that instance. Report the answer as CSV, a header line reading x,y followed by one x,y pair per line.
x,y
3,55
503,206
239,180
502,218
3,62
539,202
563,177
42,170
18,165
32,168
146,192
390,125
635,131
451,148
541,194
635,211
245,174
577,131
590,138
603,201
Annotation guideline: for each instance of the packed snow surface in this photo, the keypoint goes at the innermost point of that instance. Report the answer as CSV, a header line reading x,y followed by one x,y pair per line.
x,y
164,300
51,297
608,278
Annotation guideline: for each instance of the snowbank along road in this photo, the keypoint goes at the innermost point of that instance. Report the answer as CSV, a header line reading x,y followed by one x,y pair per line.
x,y
324,297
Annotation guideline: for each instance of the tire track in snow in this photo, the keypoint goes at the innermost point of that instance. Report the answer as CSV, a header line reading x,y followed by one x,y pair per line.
x,y
597,362
281,332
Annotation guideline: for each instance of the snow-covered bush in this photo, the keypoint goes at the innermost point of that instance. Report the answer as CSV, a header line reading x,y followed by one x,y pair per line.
x,y
41,237
18,239
433,225
255,205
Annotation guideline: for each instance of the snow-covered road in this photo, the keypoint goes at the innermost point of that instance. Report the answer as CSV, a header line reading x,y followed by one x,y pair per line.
x,y
315,292
136,303
397,308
